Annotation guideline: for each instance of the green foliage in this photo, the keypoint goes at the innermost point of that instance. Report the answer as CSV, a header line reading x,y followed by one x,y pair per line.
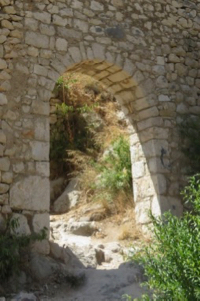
x,y
115,170
70,132
172,261
62,83
190,129
11,245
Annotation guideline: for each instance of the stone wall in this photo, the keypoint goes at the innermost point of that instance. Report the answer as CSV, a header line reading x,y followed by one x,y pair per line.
x,y
145,52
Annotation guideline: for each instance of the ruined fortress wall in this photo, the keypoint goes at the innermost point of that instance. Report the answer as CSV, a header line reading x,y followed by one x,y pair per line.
x,y
145,52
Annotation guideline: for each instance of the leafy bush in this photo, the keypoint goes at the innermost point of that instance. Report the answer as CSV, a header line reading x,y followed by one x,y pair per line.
x,y
172,261
189,130
11,246
115,170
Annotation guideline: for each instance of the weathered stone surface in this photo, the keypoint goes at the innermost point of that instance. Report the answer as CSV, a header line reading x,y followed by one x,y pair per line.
x,y
56,186
4,164
37,40
40,221
22,227
40,150
69,198
30,193
82,228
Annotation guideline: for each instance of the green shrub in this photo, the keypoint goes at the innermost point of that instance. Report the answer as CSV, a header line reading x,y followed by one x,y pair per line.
x,y
115,170
172,261
11,246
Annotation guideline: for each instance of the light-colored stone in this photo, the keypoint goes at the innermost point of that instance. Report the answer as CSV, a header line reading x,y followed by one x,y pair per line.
x,y
37,40
61,44
40,222
3,99
39,150
3,64
69,198
31,193
4,164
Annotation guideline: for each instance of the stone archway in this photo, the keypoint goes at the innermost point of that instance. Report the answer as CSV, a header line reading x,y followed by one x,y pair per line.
x,y
146,53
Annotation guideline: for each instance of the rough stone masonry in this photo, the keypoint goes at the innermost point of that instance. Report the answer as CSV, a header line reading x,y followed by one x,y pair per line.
x,y
146,52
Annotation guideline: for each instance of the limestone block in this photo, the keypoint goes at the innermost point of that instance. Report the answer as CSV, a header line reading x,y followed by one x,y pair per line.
x,y
30,193
57,20
40,70
159,69
162,82
155,206
75,54
4,164
2,148
153,147
10,10
98,51
171,204
41,107
31,23
151,112
6,209
181,69
163,98
4,199
43,17
36,39
61,44
22,68
7,177
143,188
7,24
182,108
48,30
47,83
53,9
5,2
69,33
138,169
2,39
41,221
173,58
41,247
3,64
160,183
69,198
96,6
147,123
141,211
18,167
41,129
43,168
39,150
16,34
47,54
3,99
117,3
81,25
56,250
22,227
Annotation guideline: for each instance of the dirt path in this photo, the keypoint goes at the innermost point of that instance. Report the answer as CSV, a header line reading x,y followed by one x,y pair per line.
x,y
107,275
